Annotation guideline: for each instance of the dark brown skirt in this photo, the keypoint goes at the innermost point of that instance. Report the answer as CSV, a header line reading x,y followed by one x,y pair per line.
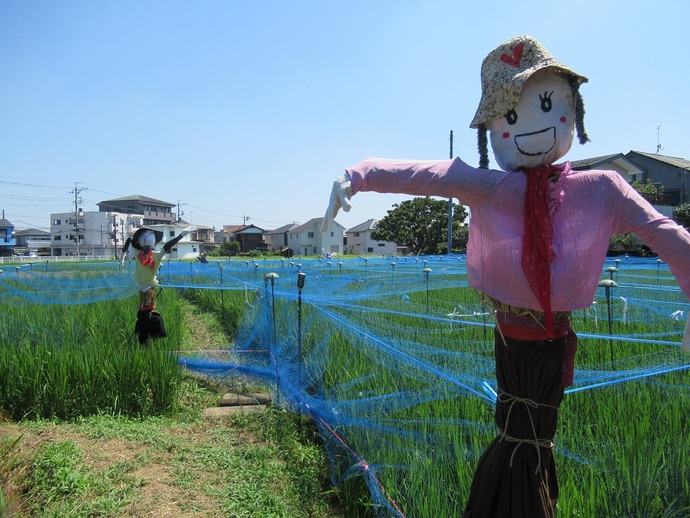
x,y
516,475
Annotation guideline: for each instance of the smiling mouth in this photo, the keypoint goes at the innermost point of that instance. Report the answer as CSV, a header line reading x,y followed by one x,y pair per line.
x,y
536,143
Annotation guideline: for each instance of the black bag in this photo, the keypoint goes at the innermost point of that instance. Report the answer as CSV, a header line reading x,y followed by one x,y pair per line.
x,y
149,325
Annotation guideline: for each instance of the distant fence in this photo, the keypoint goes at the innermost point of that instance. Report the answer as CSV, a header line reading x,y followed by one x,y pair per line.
x,y
52,259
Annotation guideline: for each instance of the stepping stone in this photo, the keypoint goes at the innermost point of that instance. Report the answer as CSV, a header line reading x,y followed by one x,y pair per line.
x,y
257,398
227,411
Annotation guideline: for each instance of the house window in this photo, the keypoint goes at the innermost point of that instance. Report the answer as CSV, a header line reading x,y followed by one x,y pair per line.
x,y
370,250
356,234
381,244
310,235
57,238
332,234
172,233
56,222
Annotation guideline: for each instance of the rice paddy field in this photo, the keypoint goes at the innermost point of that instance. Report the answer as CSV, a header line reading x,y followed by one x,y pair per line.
x,y
390,358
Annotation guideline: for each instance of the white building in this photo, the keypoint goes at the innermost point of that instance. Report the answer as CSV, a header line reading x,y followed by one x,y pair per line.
x,y
360,242
93,234
307,239
186,248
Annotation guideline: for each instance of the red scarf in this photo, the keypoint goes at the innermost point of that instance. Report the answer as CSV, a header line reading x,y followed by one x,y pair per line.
x,y
146,258
537,238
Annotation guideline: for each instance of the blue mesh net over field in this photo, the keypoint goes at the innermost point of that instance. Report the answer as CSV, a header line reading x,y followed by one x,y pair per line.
x,y
392,358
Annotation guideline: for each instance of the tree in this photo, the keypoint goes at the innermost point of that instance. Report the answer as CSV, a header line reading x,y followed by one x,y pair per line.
x,y
230,248
653,193
681,214
420,224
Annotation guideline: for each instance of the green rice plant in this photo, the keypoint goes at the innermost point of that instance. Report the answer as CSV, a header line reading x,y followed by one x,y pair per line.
x,y
67,361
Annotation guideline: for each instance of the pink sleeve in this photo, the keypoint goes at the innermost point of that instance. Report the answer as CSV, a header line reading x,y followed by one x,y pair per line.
x,y
660,233
443,178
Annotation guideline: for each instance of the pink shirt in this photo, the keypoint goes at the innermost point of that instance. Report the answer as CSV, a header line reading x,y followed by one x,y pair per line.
x,y
586,208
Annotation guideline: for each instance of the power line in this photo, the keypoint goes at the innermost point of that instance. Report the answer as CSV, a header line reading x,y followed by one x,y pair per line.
x,y
34,185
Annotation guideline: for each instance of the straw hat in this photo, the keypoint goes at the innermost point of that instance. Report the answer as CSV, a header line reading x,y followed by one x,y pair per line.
x,y
146,237
505,71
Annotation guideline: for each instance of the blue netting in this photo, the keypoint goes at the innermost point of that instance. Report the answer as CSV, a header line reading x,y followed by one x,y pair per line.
x,y
390,354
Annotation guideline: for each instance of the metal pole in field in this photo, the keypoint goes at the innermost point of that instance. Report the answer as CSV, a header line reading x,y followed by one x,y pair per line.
x,y
300,284
272,277
450,206
222,299
426,275
608,284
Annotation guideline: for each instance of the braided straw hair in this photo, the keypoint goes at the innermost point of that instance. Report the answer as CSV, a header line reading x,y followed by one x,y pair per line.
x,y
482,146
582,136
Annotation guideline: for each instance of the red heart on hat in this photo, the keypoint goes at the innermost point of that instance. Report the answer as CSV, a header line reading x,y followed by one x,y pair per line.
x,y
514,59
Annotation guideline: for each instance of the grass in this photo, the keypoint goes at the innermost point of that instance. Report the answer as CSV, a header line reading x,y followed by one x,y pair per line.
x,y
118,466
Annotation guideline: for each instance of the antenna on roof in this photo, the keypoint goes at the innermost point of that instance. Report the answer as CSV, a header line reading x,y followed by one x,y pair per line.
x,y
658,139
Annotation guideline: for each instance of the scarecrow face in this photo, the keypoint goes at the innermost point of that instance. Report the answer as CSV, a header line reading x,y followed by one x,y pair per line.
x,y
147,240
539,130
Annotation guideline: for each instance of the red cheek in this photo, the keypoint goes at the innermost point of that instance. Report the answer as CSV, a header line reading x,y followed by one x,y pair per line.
x,y
506,135
563,119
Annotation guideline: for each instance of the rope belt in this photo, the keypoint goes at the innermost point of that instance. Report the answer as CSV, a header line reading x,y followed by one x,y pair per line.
x,y
530,327
538,443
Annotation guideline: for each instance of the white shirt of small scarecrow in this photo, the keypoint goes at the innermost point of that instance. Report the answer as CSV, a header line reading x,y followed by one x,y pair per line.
x,y
148,259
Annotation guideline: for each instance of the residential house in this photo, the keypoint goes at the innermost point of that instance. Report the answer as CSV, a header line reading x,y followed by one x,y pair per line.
x,y
307,239
7,239
360,242
617,162
669,172
277,240
202,234
154,212
32,241
91,233
250,237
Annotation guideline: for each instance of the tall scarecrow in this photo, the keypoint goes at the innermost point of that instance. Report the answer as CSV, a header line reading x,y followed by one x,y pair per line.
x,y
148,261
538,239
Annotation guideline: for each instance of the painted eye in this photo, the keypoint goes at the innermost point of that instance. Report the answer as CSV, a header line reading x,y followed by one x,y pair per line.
x,y
546,102
511,117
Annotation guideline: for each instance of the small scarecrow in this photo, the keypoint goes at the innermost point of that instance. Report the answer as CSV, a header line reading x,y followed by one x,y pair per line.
x,y
538,239
148,261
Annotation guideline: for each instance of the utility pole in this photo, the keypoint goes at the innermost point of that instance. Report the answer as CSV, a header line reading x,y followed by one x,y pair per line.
x,y
115,232
681,175
77,201
180,212
450,205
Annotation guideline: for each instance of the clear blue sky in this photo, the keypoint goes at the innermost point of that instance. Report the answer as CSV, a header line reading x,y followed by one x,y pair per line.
x,y
252,108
